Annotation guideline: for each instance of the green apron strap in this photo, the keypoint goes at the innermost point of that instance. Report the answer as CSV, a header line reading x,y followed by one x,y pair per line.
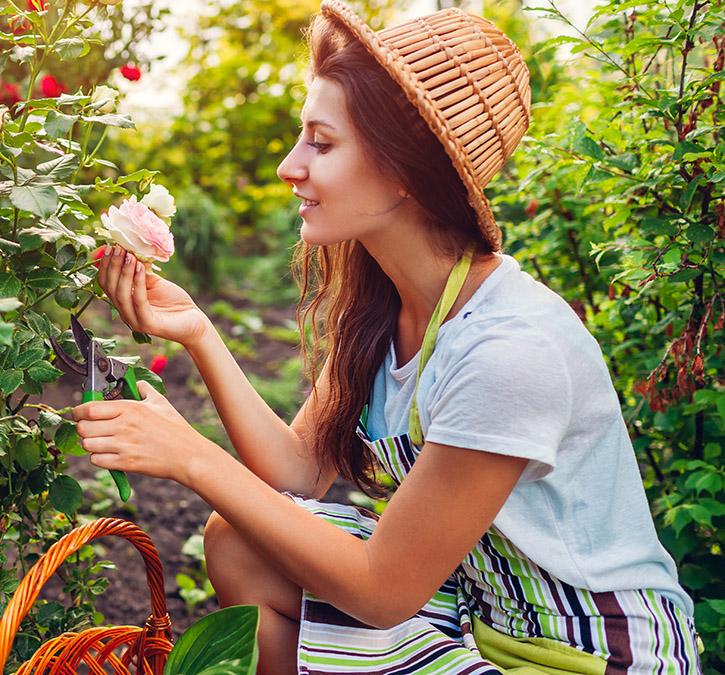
x,y
445,302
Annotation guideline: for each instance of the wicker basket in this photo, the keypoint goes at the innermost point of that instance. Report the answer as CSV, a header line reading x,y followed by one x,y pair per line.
x,y
122,648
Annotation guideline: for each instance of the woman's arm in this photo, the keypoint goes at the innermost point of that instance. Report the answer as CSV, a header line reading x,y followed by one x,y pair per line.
x,y
441,509
278,453
433,520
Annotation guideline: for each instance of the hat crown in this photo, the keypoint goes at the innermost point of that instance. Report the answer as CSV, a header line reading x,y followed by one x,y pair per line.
x,y
468,81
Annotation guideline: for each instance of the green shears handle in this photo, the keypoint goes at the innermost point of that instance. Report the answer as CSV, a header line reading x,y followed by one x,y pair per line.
x,y
130,391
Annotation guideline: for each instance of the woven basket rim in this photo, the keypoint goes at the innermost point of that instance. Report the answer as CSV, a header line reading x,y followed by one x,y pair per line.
x,y
395,65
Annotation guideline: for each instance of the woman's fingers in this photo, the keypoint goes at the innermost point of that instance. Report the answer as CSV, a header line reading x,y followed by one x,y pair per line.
x,y
103,267
139,297
124,297
114,270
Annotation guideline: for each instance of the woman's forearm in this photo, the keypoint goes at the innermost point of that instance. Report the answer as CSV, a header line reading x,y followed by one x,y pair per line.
x,y
264,442
297,542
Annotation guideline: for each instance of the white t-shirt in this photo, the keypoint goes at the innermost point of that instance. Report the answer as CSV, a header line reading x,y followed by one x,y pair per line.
x,y
516,372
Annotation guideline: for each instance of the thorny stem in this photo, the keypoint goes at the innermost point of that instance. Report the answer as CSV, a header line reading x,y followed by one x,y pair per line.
x,y
685,51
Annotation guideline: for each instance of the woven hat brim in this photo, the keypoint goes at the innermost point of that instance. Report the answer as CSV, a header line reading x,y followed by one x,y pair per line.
x,y
396,68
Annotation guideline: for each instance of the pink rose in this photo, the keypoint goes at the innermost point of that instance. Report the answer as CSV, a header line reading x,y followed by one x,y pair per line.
x,y
139,230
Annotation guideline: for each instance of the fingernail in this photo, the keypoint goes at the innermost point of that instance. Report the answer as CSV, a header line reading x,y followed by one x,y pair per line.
x,y
139,267
116,250
128,259
108,251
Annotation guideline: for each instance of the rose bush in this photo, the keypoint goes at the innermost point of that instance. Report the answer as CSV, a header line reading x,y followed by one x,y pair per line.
x,y
53,182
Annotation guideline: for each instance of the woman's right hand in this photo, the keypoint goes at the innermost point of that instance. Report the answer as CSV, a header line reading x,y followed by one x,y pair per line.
x,y
147,302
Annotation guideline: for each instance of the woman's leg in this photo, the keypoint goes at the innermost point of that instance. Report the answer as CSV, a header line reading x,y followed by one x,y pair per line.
x,y
241,576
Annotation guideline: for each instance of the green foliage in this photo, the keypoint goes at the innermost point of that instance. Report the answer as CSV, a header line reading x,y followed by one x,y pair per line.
x,y
195,586
615,200
49,175
223,642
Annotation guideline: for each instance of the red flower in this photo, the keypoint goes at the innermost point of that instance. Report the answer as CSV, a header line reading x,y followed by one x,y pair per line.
x,y
531,208
50,87
131,72
19,25
9,94
158,363
37,5
97,255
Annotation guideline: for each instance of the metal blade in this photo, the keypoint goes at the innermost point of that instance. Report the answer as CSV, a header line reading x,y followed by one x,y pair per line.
x,y
82,338
68,363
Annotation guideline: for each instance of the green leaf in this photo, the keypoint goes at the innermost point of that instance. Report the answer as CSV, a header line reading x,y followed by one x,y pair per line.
x,y
45,277
67,440
41,200
67,297
71,48
10,380
60,168
687,194
226,635
6,333
27,453
185,581
66,495
58,124
233,667
28,357
9,304
9,285
44,372
110,120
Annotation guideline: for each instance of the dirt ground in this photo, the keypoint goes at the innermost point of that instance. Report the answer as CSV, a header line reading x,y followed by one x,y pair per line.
x,y
168,512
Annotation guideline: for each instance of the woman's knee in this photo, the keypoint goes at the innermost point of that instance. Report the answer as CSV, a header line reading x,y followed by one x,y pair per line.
x,y
241,575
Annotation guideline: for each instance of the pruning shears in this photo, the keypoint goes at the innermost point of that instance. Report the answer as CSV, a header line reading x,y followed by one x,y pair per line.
x,y
106,379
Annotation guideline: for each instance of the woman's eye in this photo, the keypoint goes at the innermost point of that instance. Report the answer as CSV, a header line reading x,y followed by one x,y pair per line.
x,y
321,147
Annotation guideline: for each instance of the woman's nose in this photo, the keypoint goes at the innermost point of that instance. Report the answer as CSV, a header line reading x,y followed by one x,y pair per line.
x,y
292,169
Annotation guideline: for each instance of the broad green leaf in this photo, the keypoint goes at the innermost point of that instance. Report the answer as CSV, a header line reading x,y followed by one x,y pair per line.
x,y
27,453
44,372
45,277
67,297
110,120
10,380
228,634
58,124
66,495
42,200
6,333
28,357
71,48
67,440
9,285
59,168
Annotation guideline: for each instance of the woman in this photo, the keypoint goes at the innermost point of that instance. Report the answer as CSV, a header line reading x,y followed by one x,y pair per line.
x,y
519,538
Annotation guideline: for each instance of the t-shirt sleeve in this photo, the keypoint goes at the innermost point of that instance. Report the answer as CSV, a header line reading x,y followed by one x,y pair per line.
x,y
509,393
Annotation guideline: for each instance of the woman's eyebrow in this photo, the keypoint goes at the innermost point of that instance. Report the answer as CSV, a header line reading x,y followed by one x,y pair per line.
x,y
318,123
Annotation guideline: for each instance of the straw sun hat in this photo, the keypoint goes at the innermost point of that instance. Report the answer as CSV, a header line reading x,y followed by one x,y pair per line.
x,y
467,80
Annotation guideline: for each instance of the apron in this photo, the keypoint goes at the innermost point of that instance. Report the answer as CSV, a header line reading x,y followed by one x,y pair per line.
x,y
498,612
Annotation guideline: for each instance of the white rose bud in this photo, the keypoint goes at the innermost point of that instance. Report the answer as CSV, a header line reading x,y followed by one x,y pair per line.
x,y
160,201
104,99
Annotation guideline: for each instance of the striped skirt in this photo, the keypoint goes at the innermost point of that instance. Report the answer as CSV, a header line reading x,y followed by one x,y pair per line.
x,y
442,639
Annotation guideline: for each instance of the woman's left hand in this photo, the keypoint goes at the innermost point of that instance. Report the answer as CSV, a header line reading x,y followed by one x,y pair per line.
x,y
148,436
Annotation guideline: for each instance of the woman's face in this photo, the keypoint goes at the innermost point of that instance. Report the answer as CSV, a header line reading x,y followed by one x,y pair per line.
x,y
344,195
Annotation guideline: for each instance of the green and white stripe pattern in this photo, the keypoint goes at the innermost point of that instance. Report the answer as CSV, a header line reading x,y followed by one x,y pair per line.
x,y
637,632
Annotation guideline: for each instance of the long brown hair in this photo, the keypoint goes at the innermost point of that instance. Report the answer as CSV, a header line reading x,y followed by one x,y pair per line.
x,y
358,301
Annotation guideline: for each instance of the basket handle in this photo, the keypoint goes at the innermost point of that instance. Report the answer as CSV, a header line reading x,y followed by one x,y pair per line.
x,y
51,560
